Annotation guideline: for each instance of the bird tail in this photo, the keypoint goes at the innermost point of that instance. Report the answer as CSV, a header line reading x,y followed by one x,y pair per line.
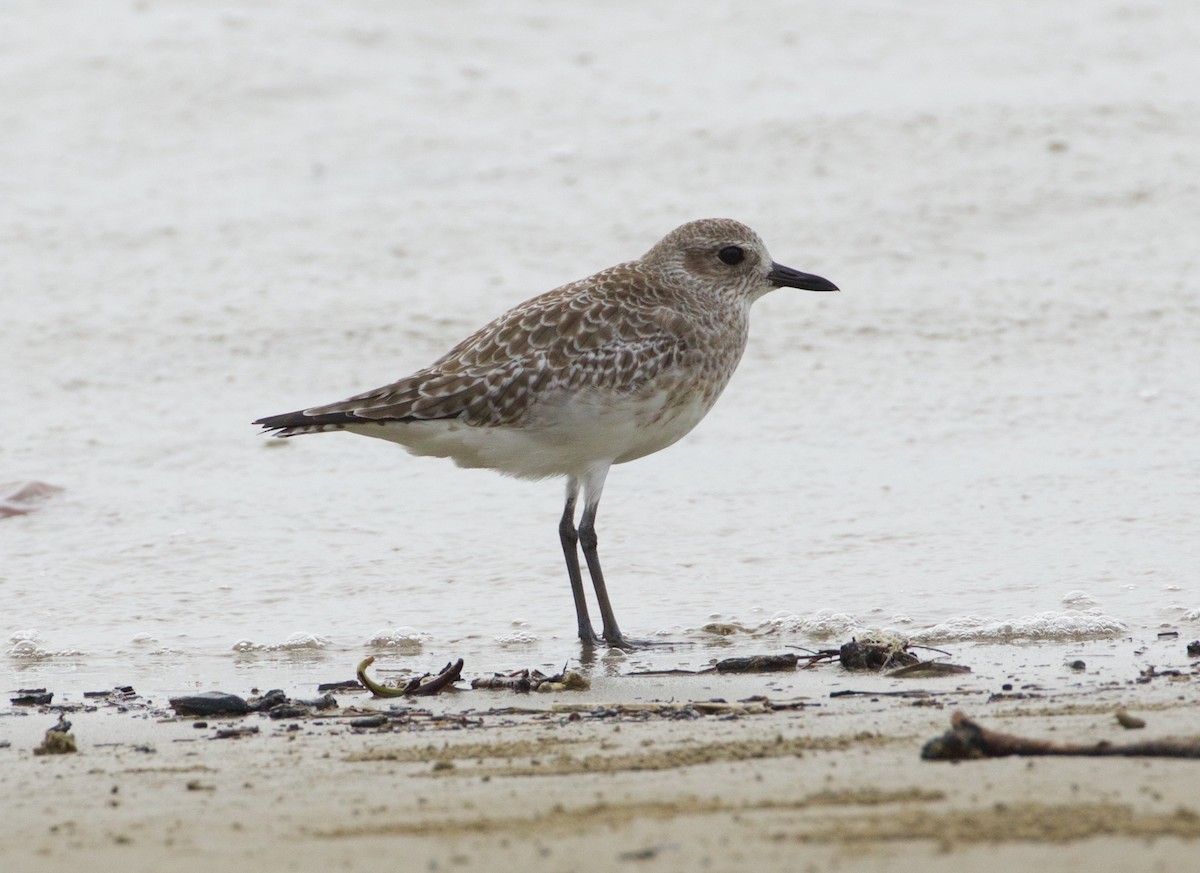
x,y
297,423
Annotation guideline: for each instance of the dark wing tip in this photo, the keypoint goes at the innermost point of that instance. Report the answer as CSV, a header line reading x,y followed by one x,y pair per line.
x,y
278,422
299,418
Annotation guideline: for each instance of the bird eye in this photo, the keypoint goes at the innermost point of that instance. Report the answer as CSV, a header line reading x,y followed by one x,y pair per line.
x,y
731,255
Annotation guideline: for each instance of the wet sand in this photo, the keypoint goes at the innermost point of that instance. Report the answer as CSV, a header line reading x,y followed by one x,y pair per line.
x,y
629,772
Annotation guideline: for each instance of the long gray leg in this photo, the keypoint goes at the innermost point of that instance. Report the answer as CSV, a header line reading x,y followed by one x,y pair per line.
x,y
593,486
570,538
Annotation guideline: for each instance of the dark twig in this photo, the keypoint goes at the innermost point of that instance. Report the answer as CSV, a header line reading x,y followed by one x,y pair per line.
x,y
929,649
450,674
967,740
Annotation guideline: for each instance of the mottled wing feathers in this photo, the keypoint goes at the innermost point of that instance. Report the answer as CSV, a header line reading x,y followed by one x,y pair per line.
x,y
612,332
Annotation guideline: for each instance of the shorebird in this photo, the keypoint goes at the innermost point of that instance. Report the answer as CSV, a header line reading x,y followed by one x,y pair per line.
x,y
599,372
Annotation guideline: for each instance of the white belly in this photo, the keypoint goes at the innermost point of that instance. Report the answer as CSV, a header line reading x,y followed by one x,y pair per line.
x,y
567,435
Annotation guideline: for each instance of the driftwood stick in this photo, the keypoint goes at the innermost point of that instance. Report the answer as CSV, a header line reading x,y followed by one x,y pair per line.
x,y
521,682
758,664
968,740
450,674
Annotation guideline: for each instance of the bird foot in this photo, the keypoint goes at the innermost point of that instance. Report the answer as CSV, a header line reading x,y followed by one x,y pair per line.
x,y
620,641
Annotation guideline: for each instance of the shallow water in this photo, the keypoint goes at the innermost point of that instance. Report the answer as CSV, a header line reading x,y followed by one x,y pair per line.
x,y
990,435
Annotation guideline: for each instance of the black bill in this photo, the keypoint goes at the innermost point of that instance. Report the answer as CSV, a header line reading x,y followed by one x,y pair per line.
x,y
785,277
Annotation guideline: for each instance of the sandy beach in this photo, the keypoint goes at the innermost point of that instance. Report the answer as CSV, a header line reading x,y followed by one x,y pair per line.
x,y
637,772
985,443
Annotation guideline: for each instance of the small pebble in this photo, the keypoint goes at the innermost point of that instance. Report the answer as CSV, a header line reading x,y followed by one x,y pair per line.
x,y
1129,722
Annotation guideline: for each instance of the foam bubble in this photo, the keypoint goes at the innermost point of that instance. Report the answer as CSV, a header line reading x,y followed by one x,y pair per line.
x,y
405,637
1078,599
299,641
822,624
1050,626
26,648
27,644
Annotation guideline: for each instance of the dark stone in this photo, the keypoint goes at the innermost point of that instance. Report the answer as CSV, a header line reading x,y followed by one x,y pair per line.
x,y
234,733
345,685
289,710
324,702
273,698
34,699
209,703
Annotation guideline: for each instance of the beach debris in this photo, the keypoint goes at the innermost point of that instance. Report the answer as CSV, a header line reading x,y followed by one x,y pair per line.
x,y
646,854
289,710
520,681
343,685
369,721
1129,722
868,654
724,629
758,664
58,740
20,498
568,680
524,681
277,705
266,702
915,692
120,693
875,654
967,740
723,707
683,710
449,674
209,703
32,697
234,733
750,664
325,701
122,698
1150,673
627,711
871,653
1193,649
928,670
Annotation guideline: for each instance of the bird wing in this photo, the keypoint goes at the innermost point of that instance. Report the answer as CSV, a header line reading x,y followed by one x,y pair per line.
x,y
606,333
